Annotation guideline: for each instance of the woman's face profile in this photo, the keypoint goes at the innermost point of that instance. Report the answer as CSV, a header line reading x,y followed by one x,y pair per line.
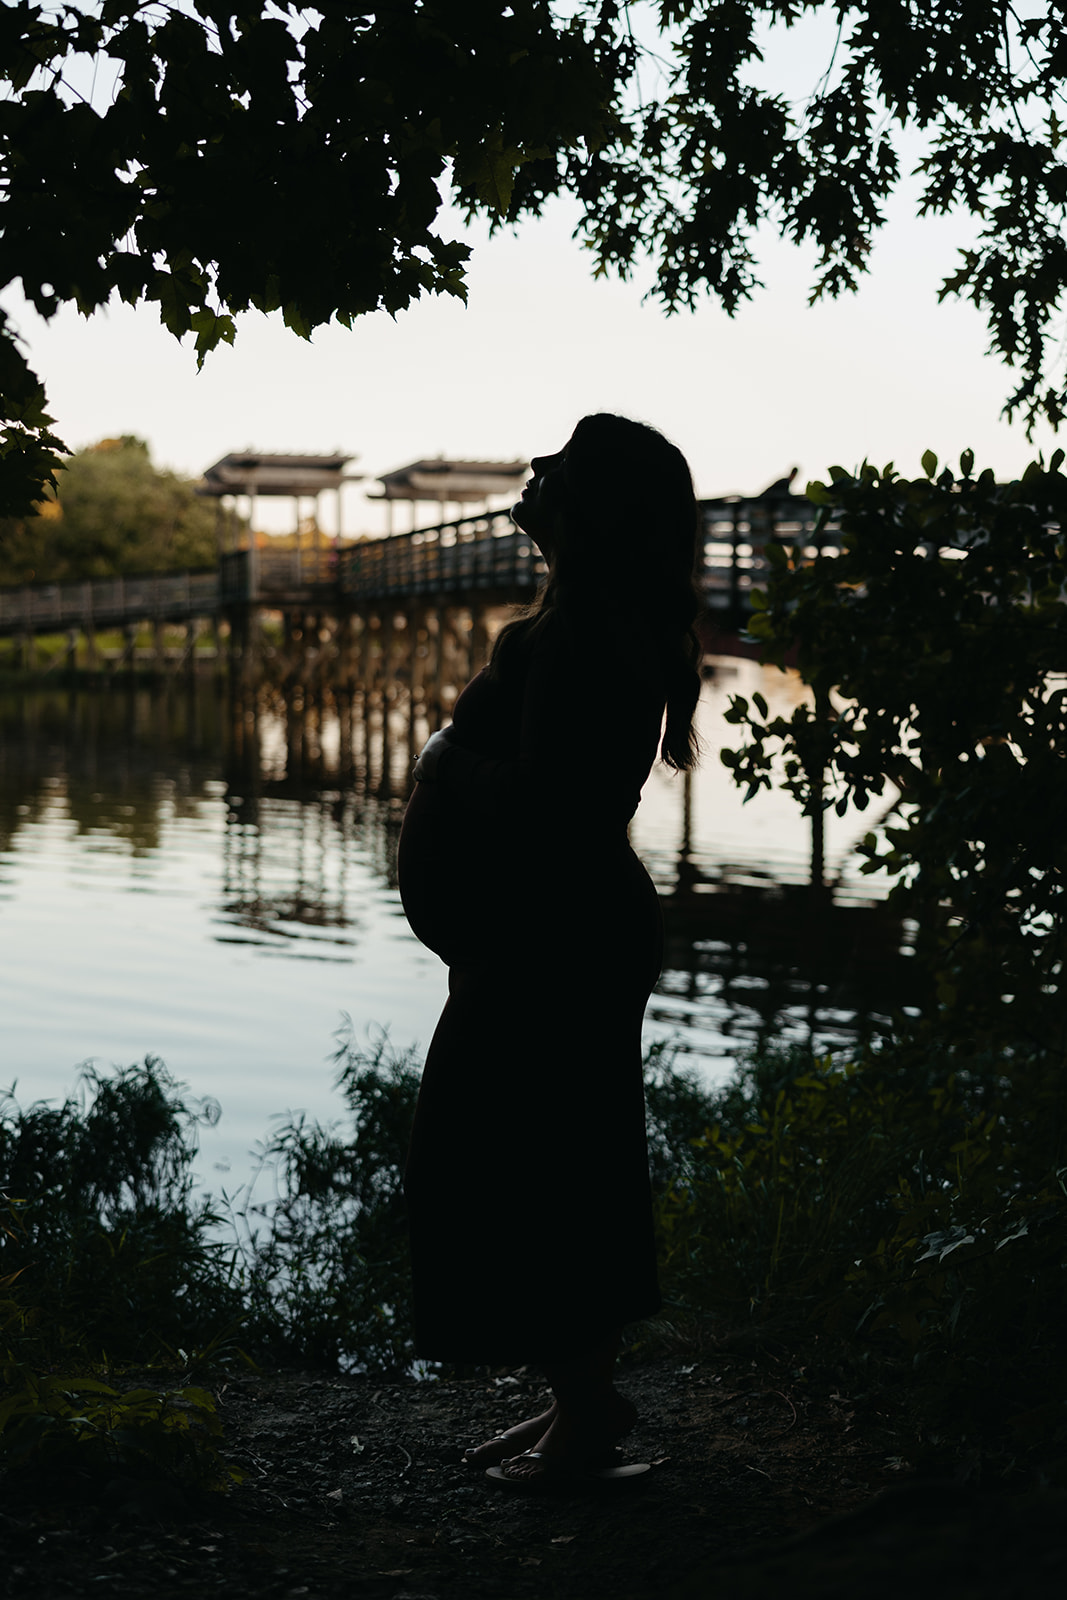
x,y
542,500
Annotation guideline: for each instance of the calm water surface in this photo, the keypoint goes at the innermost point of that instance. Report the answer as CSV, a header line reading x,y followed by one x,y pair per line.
x,y
220,892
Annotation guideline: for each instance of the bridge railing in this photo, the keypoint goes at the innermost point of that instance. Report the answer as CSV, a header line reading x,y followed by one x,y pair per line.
x,y
489,552
480,554
736,534
273,574
108,602
471,554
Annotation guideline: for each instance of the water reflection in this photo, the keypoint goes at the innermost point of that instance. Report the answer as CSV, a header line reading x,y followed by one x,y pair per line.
x,y
119,763
301,797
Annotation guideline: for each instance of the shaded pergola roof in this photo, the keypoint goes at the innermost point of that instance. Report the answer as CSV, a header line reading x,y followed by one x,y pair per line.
x,y
438,479
249,473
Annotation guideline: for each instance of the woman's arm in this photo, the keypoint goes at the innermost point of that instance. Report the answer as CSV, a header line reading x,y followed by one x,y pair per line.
x,y
587,740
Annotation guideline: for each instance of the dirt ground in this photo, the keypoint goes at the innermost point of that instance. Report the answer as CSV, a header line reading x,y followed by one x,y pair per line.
x,y
769,1480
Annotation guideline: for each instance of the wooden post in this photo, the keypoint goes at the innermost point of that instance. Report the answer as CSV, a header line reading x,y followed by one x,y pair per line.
x,y
250,644
417,652
464,633
213,631
343,670
388,690
253,553
159,647
734,607
366,658
92,660
479,639
387,642
192,633
343,701
366,736
441,665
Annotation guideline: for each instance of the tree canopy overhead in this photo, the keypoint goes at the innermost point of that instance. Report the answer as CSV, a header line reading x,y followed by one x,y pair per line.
x,y
222,155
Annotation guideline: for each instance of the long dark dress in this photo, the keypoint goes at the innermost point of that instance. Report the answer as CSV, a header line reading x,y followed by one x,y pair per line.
x,y
527,1179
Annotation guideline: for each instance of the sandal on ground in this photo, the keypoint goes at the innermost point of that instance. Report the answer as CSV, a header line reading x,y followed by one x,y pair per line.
x,y
502,1445
498,1443
555,1474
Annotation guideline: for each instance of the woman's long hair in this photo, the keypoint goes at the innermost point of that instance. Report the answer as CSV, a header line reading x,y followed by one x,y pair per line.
x,y
625,550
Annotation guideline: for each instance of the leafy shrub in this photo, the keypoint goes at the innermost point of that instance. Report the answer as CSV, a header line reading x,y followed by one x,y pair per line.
x,y
116,1251
108,1261
910,1204
915,1210
326,1260
86,1424
934,644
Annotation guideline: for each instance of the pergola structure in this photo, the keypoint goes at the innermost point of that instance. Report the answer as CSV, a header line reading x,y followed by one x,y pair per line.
x,y
444,483
246,475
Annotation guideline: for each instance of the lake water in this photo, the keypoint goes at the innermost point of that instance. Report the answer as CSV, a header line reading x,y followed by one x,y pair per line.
x,y
220,891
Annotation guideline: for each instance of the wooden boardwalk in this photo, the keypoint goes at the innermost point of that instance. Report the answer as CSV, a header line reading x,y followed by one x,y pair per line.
x,y
475,561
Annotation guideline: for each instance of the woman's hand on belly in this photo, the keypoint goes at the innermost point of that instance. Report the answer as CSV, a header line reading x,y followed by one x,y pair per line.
x,y
426,766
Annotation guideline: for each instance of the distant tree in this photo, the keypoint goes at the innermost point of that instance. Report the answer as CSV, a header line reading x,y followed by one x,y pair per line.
x,y
115,513
225,154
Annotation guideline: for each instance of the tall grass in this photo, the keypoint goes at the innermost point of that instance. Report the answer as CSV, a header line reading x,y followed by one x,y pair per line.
x,y
911,1207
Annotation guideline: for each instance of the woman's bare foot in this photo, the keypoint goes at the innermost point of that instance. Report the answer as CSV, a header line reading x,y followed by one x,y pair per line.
x,y
577,1435
523,1436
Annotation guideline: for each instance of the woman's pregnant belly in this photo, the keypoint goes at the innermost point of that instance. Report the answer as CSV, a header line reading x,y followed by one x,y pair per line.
x,y
445,881
473,893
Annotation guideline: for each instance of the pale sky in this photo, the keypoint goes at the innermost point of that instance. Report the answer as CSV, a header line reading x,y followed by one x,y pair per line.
x,y
885,374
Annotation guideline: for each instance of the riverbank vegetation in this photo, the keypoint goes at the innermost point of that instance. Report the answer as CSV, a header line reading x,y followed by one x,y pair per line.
x,y
934,646
902,1209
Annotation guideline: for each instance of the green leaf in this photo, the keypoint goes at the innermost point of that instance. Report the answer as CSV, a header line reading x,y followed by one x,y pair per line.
x,y
211,329
929,463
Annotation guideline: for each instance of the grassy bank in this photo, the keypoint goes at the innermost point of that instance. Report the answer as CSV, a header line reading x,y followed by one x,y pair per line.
x,y
906,1210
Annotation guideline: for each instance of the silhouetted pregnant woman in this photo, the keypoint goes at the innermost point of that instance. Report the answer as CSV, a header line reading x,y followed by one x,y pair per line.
x,y
527,1180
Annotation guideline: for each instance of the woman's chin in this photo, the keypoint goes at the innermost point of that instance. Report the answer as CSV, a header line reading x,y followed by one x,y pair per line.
x,y
524,517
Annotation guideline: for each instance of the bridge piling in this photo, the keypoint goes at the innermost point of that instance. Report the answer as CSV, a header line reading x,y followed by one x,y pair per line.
x,y
414,609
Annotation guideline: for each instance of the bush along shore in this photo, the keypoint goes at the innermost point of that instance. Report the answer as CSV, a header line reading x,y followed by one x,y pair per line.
x,y
905,1208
